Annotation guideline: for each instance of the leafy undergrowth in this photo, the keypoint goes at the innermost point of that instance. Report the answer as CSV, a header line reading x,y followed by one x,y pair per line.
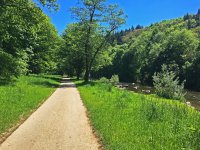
x,y
19,98
126,121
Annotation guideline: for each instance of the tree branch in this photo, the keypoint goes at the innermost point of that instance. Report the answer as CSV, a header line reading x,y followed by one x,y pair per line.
x,y
101,45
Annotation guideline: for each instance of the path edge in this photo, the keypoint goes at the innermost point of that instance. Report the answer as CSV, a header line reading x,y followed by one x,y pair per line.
x,y
11,130
94,132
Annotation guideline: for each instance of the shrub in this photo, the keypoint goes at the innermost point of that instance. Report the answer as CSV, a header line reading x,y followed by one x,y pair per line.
x,y
106,84
167,85
114,79
103,80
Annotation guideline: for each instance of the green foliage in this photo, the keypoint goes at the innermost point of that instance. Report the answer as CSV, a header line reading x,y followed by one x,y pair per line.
x,y
134,121
112,62
7,66
28,40
51,4
127,68
106,83
167,85
72,52
104,80
114,79
171,42
98,20
193,80
23,96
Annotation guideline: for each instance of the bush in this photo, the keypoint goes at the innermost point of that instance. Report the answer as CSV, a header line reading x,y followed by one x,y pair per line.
x,y
167,85
106,84
103,80
114,79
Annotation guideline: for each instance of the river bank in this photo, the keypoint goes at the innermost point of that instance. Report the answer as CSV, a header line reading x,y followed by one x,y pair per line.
x,y
191,96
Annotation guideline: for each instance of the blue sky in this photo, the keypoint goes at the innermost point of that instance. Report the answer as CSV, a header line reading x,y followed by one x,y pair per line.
x,y
143,12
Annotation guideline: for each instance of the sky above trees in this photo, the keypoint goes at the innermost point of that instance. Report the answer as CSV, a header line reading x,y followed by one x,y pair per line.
x,y
142,12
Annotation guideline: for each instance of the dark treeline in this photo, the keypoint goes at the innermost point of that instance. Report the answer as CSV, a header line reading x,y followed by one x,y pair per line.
x,y
117,38
141,53
28,40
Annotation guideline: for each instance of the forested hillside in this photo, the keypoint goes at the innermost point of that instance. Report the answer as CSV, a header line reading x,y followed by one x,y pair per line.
x,y
28,40
139,53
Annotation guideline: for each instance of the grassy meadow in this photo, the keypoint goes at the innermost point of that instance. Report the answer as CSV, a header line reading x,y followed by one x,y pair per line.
x,y
19,98
129,121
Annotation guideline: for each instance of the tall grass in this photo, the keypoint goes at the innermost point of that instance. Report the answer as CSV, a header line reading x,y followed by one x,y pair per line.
x,y
19,98
129,121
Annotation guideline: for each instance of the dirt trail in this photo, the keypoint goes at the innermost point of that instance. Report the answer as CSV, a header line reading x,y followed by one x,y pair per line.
x,y
59,124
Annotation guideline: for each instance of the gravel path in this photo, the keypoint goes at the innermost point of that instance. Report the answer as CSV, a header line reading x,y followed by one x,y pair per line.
x,y
59,124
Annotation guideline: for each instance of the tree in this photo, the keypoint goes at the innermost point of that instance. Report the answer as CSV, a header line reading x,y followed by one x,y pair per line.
x,y
99,20
128,68
198,17
73,51
50,4
26,37
167,85
132,28
187,16
180,51
15,30
44,46
191,23
139,27
6,70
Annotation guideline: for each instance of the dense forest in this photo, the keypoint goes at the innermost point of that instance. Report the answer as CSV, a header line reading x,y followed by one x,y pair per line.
x,y
137,54
28,40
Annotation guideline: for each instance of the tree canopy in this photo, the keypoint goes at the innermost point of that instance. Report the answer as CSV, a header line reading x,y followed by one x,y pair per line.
x,y
174,43
98,20
27,39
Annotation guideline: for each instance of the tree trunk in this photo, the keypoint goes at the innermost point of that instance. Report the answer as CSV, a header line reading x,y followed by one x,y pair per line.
x,y
87,61
87,73
78,73
77,76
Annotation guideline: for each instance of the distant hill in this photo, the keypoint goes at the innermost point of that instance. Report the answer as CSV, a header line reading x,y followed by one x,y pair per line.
x,y
140,52
188,21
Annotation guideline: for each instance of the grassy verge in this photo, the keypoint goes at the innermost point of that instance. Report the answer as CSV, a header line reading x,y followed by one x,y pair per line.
x,y
19,98
126,121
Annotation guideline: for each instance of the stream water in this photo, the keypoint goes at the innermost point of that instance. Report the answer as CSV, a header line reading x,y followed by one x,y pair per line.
x,y
191,96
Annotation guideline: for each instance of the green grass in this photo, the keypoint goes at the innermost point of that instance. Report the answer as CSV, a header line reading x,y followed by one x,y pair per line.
x,y
19,98
129,121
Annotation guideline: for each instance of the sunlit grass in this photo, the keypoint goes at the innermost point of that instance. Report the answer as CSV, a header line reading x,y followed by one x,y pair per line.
x,y
19,98
126,121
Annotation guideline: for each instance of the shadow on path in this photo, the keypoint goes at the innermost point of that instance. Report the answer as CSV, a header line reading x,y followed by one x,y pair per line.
x,y
67,83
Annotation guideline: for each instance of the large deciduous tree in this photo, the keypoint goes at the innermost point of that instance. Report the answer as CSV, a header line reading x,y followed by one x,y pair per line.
x,y
72,52
98,20
27,39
